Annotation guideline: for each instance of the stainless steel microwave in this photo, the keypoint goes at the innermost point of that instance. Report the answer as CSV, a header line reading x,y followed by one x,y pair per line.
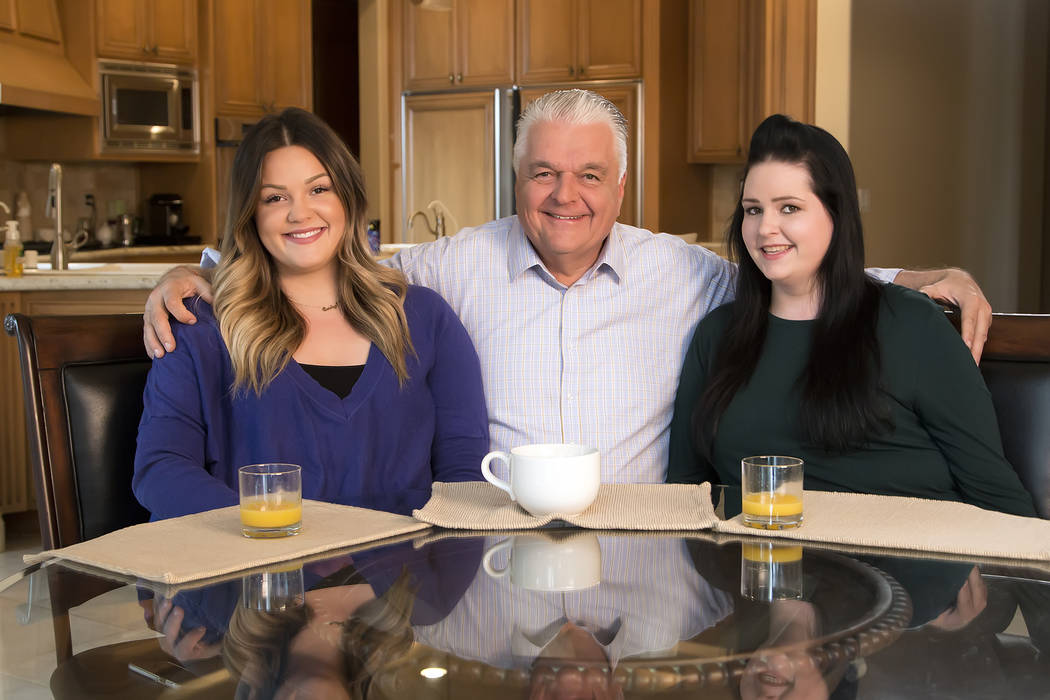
x,y
149,108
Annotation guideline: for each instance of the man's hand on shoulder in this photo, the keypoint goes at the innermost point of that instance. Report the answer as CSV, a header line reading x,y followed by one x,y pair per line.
x,y
956,287
167,297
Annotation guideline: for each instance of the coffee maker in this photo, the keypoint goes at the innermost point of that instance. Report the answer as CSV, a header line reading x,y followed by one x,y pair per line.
x,y
165,217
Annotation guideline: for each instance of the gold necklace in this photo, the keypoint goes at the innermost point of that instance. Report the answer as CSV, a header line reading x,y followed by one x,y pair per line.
x,y
329,307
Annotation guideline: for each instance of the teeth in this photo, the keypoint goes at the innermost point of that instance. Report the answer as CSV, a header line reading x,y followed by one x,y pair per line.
x,y
567,218
305,234
774,249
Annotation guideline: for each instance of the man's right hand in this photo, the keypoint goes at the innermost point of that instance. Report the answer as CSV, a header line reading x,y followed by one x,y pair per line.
x,y
167,297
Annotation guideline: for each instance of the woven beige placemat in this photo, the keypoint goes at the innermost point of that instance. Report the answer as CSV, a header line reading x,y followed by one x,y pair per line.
x,y
478,505
208,544
894,522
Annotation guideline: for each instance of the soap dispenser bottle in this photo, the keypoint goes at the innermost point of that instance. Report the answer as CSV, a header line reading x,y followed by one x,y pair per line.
x,y
12,250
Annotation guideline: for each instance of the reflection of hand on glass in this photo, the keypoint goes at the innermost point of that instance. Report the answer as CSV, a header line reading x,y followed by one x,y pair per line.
x,y
972,599
184,645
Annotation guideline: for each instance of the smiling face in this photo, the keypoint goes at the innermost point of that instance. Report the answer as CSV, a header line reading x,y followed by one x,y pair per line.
x,y
300,219
568,194
786,229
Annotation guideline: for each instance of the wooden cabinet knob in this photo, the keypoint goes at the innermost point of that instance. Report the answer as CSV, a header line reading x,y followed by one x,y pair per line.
x,y
451,78
572,71
459,77
582,71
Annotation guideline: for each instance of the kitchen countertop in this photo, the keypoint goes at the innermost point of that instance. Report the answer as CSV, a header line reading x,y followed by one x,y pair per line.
x,y
88,275
120,254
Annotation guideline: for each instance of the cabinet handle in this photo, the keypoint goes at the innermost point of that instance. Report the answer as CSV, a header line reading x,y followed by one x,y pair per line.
x,y
451,78
583,71
459,77
572,71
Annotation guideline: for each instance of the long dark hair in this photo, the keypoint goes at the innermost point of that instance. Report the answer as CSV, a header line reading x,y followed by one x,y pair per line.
x,y
841,406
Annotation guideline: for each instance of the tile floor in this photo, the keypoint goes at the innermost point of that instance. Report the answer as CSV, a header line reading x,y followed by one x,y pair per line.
x,y
26,667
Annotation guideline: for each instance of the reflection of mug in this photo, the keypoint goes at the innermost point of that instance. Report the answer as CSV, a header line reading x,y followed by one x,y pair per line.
x,y
551,478
542,563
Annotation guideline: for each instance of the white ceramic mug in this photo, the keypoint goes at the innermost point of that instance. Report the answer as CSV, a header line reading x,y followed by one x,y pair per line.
x,y
543,563
549,478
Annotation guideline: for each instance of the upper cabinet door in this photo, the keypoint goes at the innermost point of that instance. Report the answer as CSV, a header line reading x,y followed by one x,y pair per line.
x,y
173,29
485,41
546,41
153,30
263,60
287,54
610,39
471,42
122,29
718,81
39,20
568,40
747,59
238,81
429,38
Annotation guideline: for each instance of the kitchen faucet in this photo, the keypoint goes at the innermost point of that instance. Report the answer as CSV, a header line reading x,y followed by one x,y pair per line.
x,y
53,209
441,213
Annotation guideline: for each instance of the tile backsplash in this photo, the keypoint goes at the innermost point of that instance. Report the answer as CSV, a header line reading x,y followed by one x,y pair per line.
x,y
111,183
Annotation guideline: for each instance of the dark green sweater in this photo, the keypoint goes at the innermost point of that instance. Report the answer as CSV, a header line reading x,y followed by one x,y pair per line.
x,y
945,442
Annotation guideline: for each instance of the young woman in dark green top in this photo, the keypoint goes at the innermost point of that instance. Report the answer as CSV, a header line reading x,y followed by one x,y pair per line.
x,y
869,384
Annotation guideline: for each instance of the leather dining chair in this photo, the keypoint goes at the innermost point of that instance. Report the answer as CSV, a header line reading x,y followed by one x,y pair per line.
x,y
82,382
1016,368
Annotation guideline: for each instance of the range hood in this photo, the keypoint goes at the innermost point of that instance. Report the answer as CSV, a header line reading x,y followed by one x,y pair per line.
x,y
37,78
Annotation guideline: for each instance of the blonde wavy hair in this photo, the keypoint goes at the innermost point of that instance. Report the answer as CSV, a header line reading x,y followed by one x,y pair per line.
x,y
378,633
259,324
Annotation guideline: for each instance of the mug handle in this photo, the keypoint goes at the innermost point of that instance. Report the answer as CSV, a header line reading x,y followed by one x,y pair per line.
x,y
492,478
486,561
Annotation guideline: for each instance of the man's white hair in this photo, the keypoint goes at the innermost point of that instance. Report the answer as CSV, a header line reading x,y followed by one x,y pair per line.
x,y
573,106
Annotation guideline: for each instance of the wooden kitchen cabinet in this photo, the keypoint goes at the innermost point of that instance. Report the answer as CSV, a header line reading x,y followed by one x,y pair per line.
x,y
152,30
471,44
625,97
570,40
747,59
263,59
16,484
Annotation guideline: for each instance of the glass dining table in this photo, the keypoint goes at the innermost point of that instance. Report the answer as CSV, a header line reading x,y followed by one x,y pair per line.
x,y
554,613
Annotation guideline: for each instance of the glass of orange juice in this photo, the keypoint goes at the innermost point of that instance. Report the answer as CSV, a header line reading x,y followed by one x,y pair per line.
x,y
271,500
772,491
770,571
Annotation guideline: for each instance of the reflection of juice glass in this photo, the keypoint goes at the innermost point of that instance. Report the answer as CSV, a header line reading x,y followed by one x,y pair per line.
x,y
772,492
274,589
770,572
271,500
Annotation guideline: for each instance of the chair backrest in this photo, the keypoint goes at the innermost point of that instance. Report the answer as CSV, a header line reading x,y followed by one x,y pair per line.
x,y
82,380
1016,368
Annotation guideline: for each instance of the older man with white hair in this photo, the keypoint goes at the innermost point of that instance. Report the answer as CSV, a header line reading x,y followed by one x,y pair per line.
x,y
581,323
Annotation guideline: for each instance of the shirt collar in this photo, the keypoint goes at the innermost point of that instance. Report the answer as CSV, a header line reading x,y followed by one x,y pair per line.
x,y
527,646
521,256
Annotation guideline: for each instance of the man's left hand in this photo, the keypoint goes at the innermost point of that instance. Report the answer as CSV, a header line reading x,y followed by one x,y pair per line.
x,y
956,287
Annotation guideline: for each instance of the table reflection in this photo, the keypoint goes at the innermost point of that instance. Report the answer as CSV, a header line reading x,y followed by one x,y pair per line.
x,y
571,613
